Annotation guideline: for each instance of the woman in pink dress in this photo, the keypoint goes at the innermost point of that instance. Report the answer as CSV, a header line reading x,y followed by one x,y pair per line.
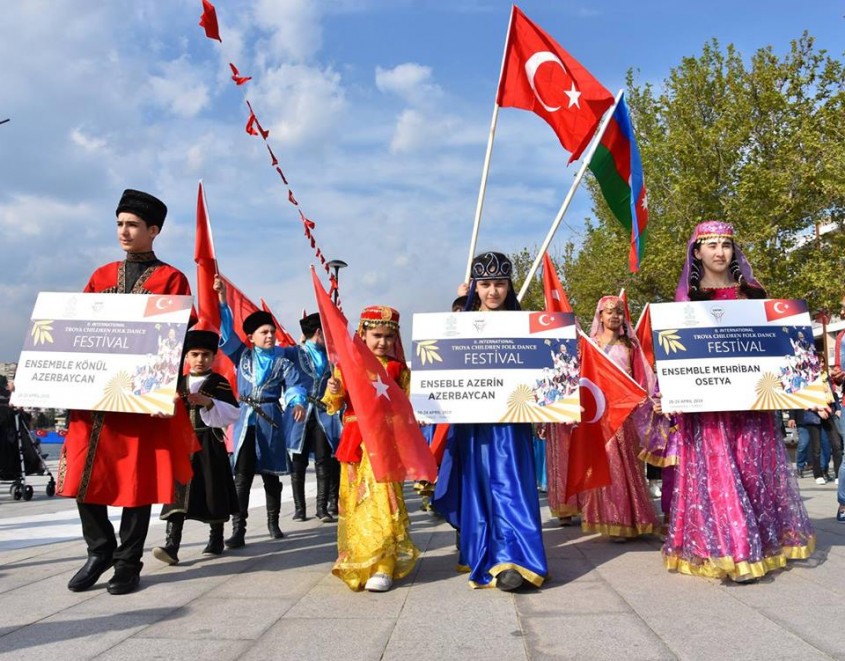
x,y
623,509
736,509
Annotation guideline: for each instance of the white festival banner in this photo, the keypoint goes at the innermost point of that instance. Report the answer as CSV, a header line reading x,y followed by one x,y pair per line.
x,y
480,367
746,355
103,352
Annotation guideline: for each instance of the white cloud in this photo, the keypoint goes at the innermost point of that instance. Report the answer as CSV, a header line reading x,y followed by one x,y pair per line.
x,y
179,88
294,28
299,103
410,81
87,142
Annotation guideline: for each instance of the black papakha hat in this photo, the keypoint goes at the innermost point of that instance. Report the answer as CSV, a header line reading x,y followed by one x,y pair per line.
x,y
310,324
202,339
256,320
143,205
491,266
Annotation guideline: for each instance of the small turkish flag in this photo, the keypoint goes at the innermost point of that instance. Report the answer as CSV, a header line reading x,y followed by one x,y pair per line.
x,y
779,308
539,322
540,76
165,304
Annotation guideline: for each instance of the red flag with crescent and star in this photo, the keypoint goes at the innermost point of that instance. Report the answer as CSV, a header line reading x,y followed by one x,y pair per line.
x,y
553,292
540,76
608,397
395,445
780,308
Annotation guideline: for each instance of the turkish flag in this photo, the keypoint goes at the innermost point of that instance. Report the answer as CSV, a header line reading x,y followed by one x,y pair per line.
x,y
553,292
283,338
208,21
207,299
539,322
164,304
608,397
392,436
779,308
643,333
540,76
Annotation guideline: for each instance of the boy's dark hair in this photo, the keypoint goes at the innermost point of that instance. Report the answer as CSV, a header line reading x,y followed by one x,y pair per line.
x,y
459,304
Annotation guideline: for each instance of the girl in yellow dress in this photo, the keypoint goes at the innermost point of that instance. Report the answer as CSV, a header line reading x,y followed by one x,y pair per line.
x,y
373,543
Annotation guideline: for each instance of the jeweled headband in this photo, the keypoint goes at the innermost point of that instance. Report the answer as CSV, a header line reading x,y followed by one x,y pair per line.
x,y
491,266
610,303
379,315
713,229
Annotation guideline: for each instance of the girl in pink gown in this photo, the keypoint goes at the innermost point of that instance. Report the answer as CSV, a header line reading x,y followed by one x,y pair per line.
x,y
623,509
736,509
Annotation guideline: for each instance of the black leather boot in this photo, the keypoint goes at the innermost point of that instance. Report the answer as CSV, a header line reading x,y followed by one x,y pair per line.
x,y
273,494
215,540
90,572
297,485
333,468
169,553
323,494
237,540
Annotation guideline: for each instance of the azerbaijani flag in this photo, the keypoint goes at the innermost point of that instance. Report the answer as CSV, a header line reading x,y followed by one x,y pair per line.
x,y
618,168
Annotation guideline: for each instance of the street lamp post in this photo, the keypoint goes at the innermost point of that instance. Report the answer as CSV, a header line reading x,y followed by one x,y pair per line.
x,y
335,265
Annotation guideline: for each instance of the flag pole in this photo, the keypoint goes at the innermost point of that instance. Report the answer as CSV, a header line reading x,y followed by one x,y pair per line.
x,y
585,163
485,170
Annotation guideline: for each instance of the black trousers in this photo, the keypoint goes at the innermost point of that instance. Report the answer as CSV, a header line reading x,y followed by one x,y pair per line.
x,y
99,533
316,442
244,474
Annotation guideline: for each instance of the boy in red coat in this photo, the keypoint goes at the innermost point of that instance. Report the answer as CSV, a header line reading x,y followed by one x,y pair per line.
x,y
127,460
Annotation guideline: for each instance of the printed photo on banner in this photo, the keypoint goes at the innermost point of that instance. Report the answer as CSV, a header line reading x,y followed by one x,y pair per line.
x,y
103,352
736,356
503,367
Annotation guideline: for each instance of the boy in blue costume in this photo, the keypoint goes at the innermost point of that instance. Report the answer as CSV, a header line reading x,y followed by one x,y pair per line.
x,y
259,444
486,487
307,426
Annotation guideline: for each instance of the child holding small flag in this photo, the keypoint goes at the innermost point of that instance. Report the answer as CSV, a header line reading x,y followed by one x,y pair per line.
x,y
374,545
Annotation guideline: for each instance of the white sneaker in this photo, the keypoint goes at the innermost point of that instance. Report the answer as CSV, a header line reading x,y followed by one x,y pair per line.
x,y
379,583
821,480
654,489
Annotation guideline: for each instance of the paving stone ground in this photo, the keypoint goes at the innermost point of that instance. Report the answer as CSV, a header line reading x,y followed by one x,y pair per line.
x,y
278,599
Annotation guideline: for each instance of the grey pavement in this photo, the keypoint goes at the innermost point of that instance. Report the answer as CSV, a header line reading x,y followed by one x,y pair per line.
x,y
278,599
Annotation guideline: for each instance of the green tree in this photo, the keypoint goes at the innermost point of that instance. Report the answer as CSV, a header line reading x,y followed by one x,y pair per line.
x,y
758,143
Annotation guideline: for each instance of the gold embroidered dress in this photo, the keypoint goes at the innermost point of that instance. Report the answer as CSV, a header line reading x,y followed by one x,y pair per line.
x,y
373,524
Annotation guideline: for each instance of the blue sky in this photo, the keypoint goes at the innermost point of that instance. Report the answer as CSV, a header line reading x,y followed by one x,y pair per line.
x,y
378,112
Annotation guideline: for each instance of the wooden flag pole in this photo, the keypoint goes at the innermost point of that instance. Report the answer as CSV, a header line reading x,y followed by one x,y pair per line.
x,y
485,170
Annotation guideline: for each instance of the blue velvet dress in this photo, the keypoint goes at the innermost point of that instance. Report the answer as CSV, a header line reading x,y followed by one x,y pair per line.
x,y
487,490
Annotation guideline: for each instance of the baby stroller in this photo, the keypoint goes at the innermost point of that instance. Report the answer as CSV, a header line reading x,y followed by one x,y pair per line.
x,y
20,455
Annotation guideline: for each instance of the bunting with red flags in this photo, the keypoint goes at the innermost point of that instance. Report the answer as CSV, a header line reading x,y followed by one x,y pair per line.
x,y
395,445
608,396
208,21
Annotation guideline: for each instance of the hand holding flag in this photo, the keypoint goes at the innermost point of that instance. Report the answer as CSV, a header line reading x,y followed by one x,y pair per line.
x,y
395,445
